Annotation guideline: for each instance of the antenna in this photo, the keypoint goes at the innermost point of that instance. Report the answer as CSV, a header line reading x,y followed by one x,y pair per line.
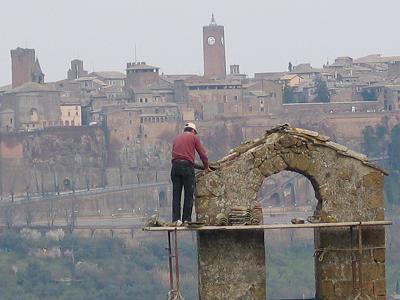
x,y
135,53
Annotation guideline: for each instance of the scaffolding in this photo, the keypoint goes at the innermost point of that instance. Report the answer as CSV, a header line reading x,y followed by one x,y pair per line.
x,y
356,260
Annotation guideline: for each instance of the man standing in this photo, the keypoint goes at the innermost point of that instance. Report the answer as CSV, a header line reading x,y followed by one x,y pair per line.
x,y
184,147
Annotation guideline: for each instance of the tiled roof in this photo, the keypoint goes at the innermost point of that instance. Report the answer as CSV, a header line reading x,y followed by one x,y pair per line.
x,y
109,75
32,87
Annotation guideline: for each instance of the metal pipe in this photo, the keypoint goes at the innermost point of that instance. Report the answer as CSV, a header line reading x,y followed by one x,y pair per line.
x,y
353,260
177,262
360,250
171,275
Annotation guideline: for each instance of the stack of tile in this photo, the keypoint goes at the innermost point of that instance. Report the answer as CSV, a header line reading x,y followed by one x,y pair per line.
x,y
240,215
257,215
222,219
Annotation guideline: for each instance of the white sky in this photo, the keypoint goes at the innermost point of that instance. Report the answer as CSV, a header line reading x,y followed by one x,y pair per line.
x,y
260,35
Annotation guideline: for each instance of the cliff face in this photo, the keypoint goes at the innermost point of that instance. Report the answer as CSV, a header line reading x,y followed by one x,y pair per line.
x,y
40,161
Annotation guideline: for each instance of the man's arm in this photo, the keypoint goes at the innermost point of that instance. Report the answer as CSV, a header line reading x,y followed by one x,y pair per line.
x,y
202,152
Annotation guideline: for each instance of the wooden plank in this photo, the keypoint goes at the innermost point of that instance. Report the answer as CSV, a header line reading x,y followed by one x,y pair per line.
x,y
271,226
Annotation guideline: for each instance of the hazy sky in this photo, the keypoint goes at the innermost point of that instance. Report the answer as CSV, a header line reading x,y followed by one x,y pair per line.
x,y
260,35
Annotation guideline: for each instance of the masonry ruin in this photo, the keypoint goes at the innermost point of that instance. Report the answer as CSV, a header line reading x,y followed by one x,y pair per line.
x,y
348,189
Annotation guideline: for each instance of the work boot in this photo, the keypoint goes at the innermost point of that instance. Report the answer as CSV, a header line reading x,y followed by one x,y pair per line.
x,y
177,223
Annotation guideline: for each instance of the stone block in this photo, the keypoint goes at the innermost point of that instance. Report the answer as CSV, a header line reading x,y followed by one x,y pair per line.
x,y
373,236
327,289
343,289
375,199
374,271
379,255
373,180
379,288
278,163
267,168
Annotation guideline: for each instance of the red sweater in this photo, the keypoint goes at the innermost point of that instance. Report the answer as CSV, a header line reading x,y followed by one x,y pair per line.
x,y
184,147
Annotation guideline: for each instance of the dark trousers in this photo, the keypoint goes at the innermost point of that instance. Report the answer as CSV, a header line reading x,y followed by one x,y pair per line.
x,y
182,176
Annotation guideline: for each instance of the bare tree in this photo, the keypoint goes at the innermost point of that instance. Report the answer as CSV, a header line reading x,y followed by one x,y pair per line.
x,y
28,215
9,215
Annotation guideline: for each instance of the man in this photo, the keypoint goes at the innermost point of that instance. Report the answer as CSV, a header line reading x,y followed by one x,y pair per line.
x,y
184,147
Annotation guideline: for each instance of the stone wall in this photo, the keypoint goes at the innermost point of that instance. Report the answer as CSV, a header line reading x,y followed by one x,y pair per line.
x,y
347,187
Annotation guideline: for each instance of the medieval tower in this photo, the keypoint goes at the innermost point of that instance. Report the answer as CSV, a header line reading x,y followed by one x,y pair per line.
x,y
214,50
25,68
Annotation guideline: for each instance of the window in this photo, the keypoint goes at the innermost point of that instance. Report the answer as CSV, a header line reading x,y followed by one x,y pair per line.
x,y
130,114
262,109
225,98
250,108
72,123
130,122
115,130
236,98
11,120
76,114
76,107
66,123
69,114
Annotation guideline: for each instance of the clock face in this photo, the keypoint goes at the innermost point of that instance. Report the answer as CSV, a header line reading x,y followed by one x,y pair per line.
x,y
211,40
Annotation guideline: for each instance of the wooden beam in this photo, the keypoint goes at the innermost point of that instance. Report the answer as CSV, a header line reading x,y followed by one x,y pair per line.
x,y
271,226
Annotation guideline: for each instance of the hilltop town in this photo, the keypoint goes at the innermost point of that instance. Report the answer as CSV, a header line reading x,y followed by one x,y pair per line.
x,y
123,122
98,144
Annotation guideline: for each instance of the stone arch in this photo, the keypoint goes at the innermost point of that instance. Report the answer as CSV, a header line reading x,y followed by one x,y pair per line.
x,y
34,115
347,186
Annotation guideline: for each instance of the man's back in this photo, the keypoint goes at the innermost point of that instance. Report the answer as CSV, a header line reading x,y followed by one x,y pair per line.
x,y
184,147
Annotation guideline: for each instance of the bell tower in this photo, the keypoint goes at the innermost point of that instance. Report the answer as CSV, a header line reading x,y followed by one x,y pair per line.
x,y
214,50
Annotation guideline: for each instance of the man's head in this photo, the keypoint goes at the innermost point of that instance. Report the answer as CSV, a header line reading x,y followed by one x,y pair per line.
x,y
190,127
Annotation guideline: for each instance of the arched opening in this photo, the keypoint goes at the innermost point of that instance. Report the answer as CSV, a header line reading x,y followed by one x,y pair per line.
x,y
162,199
288,196
34,115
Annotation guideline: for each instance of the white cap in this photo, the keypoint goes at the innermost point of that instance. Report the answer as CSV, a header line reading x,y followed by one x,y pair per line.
x,y
191,125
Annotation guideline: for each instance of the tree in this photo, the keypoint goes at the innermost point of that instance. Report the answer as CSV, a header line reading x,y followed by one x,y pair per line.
x,y
288,95
381,134
290,66
369,95
322,91
394,148
370,142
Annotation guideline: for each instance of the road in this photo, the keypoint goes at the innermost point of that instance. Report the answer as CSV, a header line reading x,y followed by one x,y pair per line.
x,y
96,191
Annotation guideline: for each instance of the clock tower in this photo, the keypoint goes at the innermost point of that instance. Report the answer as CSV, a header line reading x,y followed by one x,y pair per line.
x,y
214,50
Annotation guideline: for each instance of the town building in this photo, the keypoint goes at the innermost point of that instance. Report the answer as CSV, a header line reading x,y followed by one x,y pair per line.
x,y
71,113
30,106
139,75
76,71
